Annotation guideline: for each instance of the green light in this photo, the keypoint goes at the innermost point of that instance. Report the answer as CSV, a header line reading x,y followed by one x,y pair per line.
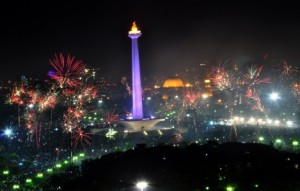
x,y
6,172
16,186
49,170
295,143
66,162
159,132
256,185
207,188
28,180
261,138
58,165
81,154
278,141
75,158
40,175
229,188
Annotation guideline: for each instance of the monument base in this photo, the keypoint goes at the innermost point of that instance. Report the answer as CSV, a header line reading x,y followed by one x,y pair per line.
x,y
140,125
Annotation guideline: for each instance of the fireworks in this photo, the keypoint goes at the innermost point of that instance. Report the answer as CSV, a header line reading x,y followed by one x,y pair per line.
x,y
110,117
296,90
252,98
286,69
69,122
76,103
190,98
67,71
253,76
80,135
222,78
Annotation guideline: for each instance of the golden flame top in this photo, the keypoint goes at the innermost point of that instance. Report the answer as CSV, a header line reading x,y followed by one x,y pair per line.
x,y
134,29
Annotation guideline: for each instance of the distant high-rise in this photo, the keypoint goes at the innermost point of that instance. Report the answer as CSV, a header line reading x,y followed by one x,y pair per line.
x,y
137,102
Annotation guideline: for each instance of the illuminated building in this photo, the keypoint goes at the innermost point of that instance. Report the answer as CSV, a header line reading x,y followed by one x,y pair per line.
x,y
173,82
207,89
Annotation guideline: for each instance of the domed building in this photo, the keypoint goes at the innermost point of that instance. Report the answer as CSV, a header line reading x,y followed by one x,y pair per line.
x,y
173,82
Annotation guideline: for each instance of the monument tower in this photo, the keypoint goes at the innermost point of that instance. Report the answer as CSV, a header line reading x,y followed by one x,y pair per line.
x,y
138,122
137,101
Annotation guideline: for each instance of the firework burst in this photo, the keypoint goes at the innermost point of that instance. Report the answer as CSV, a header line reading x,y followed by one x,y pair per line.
x,y
110,117
286,69
190,98
252,98
296,90
253,76
80,135
67,71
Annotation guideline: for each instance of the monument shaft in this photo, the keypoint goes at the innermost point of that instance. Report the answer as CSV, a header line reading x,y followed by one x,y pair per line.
x,y
137,100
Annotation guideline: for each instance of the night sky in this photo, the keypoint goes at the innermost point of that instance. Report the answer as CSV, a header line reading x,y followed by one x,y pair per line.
x,y
175,34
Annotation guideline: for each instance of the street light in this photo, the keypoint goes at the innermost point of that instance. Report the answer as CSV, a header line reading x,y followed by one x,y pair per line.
x,y
142,185
8,132
274,96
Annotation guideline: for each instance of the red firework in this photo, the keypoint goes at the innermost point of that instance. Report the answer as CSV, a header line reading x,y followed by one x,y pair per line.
x,y
287,69
253,76
296,89
90,91
110,117
67,71
68,92
76,113
190,98
222,78
69,122
252,97
46,102
80,135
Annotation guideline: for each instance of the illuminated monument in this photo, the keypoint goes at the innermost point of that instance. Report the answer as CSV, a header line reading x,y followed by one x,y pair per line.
x,y
138,122
137,102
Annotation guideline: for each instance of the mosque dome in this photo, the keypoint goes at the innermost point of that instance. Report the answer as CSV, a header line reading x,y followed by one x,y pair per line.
x,y
173,82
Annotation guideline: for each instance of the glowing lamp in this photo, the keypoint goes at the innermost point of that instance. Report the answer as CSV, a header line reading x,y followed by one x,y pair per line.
x,y
261,138
295,143
40,175
8,132
142,185
229,188
28,180
274,96
5,172
81,155
16,186
58,165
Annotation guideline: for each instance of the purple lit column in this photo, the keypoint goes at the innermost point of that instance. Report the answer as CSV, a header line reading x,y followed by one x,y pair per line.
x,y
137,102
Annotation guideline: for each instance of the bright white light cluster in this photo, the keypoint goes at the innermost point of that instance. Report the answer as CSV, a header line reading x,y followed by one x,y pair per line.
x,y
255,121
